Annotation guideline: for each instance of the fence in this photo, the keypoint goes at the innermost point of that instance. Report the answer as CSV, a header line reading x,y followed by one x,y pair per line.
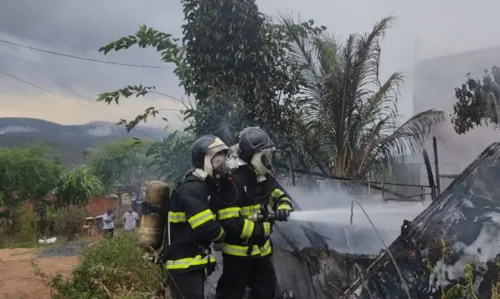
x,y
404,190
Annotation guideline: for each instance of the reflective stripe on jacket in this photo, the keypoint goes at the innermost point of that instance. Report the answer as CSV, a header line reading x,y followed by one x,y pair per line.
x,y
195,221
242,251
189,262
244,238
192,227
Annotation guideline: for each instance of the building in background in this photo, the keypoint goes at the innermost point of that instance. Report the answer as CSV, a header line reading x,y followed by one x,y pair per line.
x,y
434,83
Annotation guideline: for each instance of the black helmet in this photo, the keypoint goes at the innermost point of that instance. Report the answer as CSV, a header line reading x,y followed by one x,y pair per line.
x,y
252,140
204,149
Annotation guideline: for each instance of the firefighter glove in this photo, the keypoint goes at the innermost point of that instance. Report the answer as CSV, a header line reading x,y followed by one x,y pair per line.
x,y
282,215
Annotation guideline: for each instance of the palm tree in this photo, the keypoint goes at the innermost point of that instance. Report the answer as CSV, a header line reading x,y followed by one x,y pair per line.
x,y
346,123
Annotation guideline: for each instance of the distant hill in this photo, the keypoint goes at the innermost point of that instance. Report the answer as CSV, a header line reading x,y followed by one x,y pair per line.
x,y
69,141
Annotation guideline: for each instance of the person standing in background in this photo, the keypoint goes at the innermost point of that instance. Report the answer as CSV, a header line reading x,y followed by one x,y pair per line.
x,y
108,223
130,220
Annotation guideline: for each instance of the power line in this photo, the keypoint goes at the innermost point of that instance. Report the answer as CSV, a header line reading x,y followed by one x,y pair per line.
x,y
84,58
29,83
78,102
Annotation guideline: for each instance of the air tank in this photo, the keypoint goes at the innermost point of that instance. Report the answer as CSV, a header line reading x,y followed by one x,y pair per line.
x,y
154,215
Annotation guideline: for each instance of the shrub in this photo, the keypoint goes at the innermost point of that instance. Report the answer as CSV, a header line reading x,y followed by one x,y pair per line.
x,y
69,221
22,231
112,268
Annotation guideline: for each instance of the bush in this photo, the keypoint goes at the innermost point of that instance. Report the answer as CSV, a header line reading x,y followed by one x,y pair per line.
x,y
69,221
112,268
22,230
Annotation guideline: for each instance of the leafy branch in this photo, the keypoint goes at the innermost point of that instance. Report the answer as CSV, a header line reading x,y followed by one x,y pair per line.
x,y
126,92
148,37
478,103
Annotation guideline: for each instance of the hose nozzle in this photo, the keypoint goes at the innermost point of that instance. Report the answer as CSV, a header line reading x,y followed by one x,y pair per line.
x,y
257,217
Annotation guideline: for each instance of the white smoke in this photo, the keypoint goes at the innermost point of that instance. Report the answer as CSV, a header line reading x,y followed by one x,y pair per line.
x,y
434,87
101,131
18,129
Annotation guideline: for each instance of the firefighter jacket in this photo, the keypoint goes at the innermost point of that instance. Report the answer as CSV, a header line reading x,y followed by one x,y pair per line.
x,y
240,200
192,227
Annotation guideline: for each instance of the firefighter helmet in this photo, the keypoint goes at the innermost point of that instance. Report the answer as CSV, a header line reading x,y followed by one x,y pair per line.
x,y
253,140
256,149
210,154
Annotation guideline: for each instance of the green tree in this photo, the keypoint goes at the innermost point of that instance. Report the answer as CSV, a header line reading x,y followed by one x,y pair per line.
x,y
172,155
478,103
320,98
231,47
345,122
123,163
231,58
27,173
76,186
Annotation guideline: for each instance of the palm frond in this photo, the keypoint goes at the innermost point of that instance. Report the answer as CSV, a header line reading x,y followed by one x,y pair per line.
x,y
407,138
348,120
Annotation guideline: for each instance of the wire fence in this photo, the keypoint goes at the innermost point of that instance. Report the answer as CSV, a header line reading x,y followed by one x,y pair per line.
x,y
410,183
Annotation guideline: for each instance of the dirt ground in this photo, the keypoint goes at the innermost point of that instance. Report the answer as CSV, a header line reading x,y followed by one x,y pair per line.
x,y
17,278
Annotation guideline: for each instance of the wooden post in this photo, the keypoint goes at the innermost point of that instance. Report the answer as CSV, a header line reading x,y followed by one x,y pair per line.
x,y
436,167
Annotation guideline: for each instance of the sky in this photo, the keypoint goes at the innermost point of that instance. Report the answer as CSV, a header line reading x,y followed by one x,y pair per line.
x,y
423,29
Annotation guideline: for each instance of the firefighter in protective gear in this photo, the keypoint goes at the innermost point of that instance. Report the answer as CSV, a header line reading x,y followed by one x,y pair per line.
x,y
247,248
192,225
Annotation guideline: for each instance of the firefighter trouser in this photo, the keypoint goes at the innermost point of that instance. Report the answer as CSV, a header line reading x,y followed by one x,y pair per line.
x,y
186,285
239,272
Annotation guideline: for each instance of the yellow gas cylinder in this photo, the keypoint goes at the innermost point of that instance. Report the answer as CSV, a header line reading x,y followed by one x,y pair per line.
x,y
154,215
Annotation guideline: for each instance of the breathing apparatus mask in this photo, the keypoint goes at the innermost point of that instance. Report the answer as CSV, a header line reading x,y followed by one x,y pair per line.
x,y
262,163
215,164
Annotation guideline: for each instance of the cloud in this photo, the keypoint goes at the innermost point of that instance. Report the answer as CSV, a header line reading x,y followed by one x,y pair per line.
x,y
80,28
68,109
423,29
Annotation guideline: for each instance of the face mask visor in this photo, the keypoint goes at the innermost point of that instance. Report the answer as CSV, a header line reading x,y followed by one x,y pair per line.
x,y
262,161
219,163
216,161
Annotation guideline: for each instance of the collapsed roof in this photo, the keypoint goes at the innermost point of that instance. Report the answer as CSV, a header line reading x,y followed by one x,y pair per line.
x,y
461,226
